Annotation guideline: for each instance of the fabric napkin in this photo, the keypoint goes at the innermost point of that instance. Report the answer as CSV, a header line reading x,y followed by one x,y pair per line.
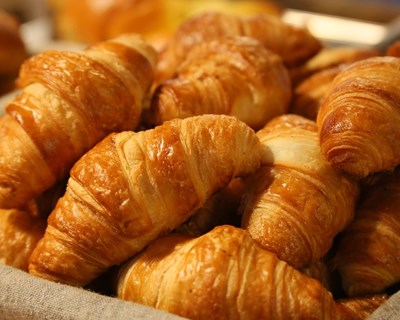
x,y
389,310
24,297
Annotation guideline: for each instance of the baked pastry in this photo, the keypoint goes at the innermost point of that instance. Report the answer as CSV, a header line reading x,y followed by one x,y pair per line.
x,y
88,21
294,44
358,120
69,102
312,80
367,257
223,274
20,231
329,57
236,76
132,187
296,203
13,51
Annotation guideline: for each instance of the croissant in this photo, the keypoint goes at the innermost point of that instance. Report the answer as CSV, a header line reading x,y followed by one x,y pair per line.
x,y
88,22
359,308
20,231
69,102
132,187
235,76
358,122
221,275
296,203
367,257
294,44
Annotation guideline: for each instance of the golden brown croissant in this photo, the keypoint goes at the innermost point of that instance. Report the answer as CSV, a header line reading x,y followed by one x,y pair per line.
x,y
368,258
19,233
68,103
296,202
87,21
132,187
223,274
359,308
358,122
295,45
236,76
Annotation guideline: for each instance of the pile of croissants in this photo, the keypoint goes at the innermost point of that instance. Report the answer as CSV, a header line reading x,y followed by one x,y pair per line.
x,y
244,171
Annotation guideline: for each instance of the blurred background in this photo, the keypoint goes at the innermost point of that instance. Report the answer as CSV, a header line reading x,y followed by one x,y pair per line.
x,y
73,24
358,22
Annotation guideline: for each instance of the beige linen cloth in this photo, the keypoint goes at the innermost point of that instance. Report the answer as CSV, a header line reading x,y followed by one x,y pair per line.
x,y
24,297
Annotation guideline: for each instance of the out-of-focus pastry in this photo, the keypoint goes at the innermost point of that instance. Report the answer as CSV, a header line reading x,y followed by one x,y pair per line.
x,y
20,231
309,94
394,49
330,57
91,21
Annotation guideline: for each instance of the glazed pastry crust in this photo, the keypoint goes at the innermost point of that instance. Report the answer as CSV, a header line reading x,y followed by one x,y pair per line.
x,y
296,202
133,187
69,101
236,76
221,275
358,120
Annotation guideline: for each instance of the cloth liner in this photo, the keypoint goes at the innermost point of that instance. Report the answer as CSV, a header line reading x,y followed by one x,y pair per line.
x,y
25,297
389,310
